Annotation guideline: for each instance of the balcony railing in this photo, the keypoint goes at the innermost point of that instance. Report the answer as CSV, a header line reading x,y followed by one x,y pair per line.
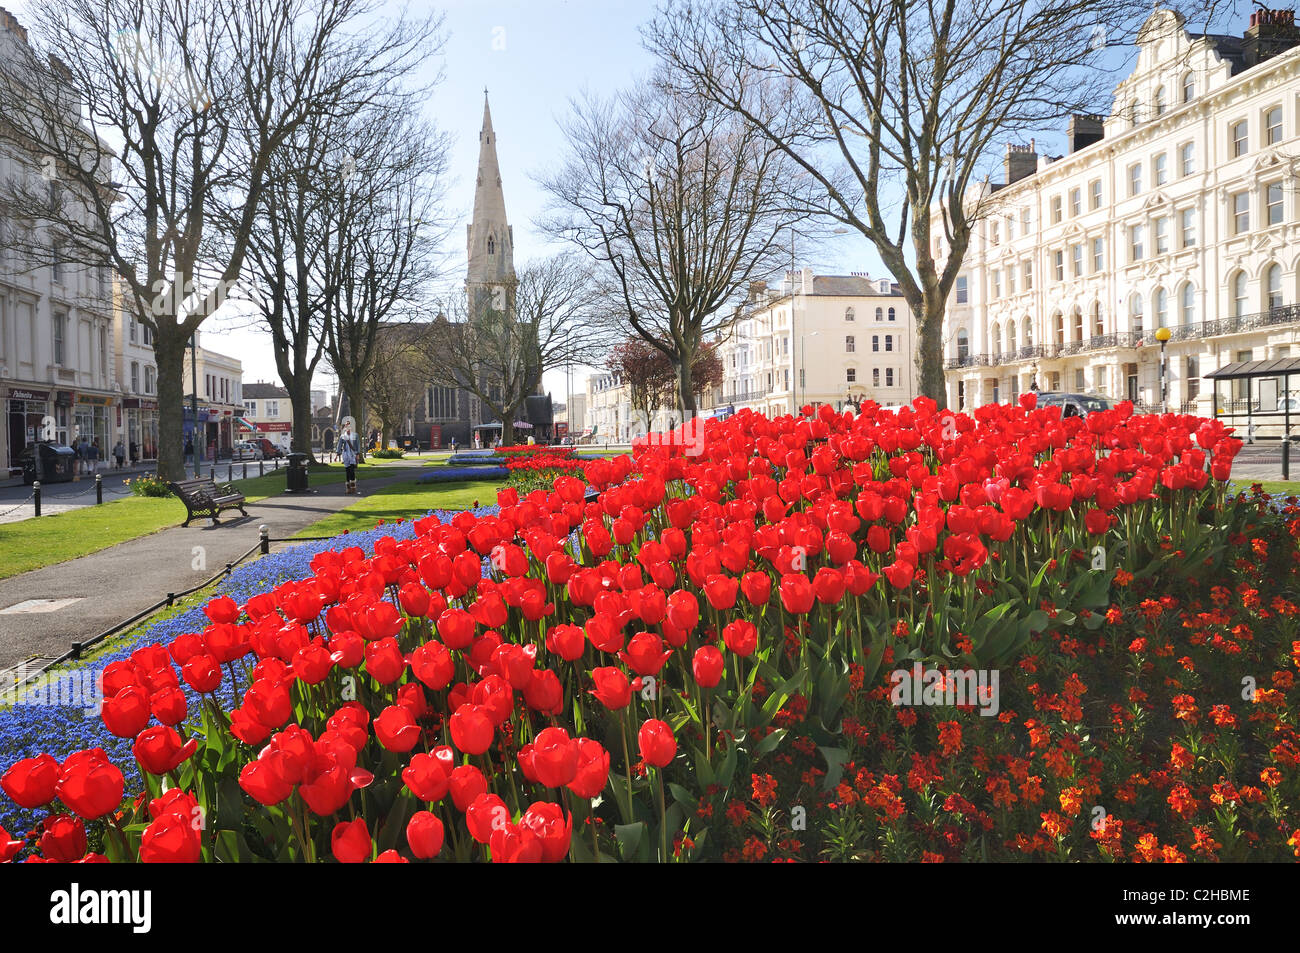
x,y
745,395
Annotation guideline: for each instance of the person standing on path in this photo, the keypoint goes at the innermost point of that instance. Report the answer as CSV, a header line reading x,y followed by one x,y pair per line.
x,y
92,456
348,448
119,453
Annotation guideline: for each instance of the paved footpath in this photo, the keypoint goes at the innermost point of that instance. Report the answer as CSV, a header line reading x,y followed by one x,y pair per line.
x,y
116,583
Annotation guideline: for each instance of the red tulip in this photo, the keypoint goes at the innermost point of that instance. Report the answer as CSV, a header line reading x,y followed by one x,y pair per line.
x,y
327,790
721,591
899,574
384,661
683,610
757,587
466,783
414,599
828,585
32,782
645,654
1097,522
544,693
63,838
171,839
796,593
566,641
486,814
9,848
612,688
160,750
741,637
554,829
222,609
471,729
396,729
350,842
89,784
456,628
593,769
127,712
656,742
424,834
512,844
427,777
263,782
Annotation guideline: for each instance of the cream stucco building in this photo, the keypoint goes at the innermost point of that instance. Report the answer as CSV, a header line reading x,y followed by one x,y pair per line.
x,y
1179,209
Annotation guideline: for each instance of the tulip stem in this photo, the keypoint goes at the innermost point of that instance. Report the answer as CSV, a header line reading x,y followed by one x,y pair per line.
x,y
624,728
663,818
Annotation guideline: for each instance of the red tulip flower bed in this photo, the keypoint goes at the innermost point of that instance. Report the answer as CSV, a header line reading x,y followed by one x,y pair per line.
x,y
699,664
530,471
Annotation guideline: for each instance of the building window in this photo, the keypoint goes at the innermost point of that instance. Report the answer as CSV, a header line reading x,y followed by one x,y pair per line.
x,y
1161,105
961,289
848,314
889,377
997,282
1056,209
963,343
1237,134
492,245
1273,203
892,314
1186,158
1187,227
1058,264
1135,243
1187,304
1273,286
1273,126
60,338
1241,213
1189,87
103,352
1079,383
148,379
848,344
880,315
852,375
131,333
875,377
1024,221
1076,261
1193,377
56,256
135,377
1239,294
993,232
250,408
1135,179
1161,168
273,408
1076,202
1135,313
1098,255
1094,194
1027,272
1161,229
875,342
1011,280
1098,323
889,342
1161,307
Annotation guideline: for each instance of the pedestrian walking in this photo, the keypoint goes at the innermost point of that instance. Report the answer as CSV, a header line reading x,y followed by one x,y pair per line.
x,y
135,452
189,450
119,453
77,453
349,450
92,456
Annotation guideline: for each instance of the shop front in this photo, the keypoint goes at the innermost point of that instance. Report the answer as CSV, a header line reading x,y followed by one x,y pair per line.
x,y
140,425
92,421
26,411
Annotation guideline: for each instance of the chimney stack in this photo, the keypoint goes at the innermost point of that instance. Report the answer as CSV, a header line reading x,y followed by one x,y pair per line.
x,y
10,23
1021,161
1084,130
1270,32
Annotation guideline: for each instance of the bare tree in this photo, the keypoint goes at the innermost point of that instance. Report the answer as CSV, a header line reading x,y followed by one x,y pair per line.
x,y
895,107
683,203
386,228
652,378
314,210
397,379
162,120
499,346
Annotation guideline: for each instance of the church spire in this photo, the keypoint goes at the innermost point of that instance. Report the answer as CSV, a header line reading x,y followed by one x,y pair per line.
x,y
490,239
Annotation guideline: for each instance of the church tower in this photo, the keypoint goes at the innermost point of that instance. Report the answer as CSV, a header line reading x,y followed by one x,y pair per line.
x,y
489,237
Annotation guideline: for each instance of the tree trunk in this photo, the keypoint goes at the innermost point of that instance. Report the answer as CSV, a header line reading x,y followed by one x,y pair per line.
x,y
357,406
169,351
929,353
685,385
300,400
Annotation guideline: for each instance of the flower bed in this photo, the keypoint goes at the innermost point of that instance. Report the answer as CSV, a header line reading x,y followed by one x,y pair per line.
x,y
449,474
746,655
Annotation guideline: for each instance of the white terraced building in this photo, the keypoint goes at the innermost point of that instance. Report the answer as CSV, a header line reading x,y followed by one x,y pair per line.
x,y
1178,210
819,339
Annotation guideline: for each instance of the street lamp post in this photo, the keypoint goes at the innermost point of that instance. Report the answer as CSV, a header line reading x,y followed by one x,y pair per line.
x,y
801,384
1162,335
194,404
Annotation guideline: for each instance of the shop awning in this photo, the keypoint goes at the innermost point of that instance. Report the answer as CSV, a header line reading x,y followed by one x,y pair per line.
x,y
245,424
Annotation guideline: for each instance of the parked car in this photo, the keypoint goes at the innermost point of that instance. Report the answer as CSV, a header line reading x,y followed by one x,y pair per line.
x,y
246,450
1075,405
270,449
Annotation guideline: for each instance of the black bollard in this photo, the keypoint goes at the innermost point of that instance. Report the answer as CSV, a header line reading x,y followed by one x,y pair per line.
x,y
260,470
1286,458
36,491
99,489
265,533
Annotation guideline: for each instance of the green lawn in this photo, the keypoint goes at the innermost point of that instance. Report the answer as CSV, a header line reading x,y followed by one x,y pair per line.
x,y
401,501
1272,487
35,543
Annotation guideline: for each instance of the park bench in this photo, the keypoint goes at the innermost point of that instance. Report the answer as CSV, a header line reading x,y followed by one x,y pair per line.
x,y
204,499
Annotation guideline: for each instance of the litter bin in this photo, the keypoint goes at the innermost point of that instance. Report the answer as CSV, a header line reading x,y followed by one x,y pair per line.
x,y
296,475
47,462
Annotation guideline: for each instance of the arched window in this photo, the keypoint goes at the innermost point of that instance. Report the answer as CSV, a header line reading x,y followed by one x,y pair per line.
x,y
1238,286
963,344
1078,324
1160,101
892,314
1011,335
1058,322
1135,313
1160,305
1098,325
1189,87
880,314
1273,284
1187,304
848,314
1029,331
995,338
1133,112
492,245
